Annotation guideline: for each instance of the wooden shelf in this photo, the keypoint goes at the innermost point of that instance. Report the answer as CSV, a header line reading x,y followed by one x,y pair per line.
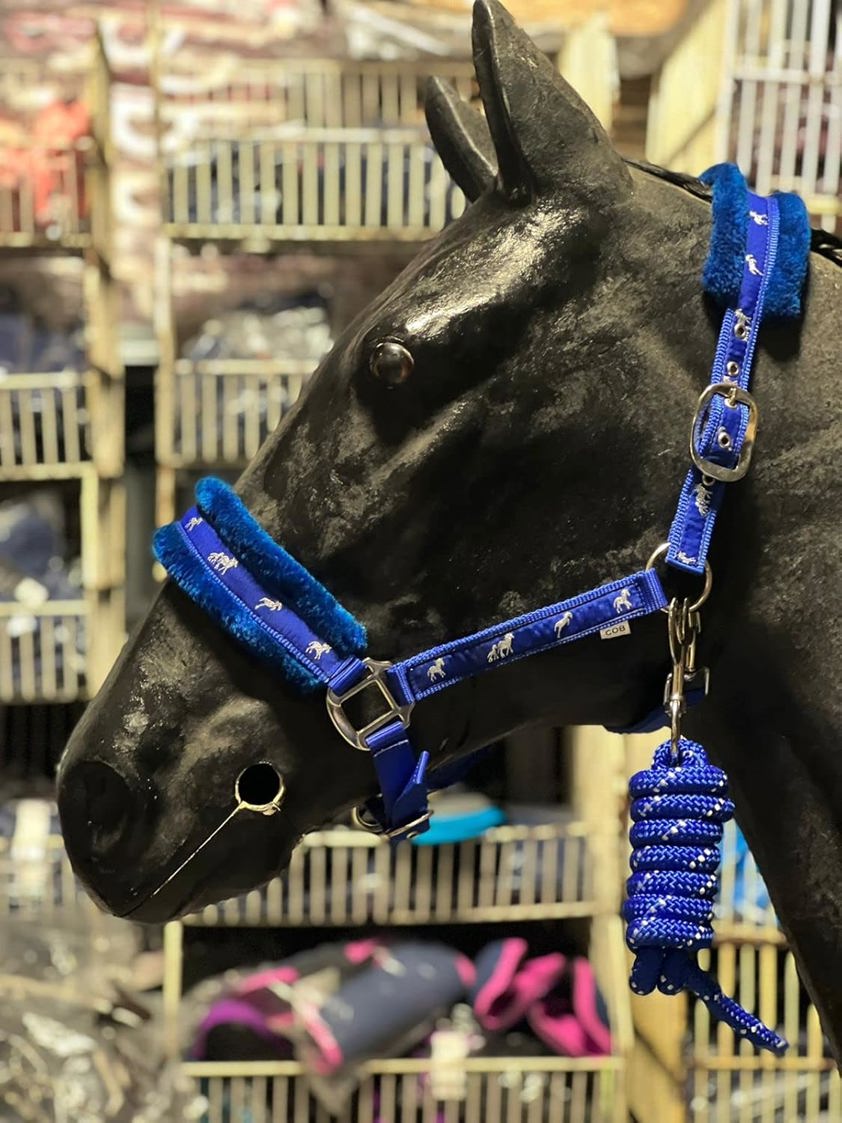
x,y
346,877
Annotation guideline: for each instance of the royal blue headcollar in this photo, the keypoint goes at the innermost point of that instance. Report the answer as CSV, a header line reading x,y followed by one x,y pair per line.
x,y
220,556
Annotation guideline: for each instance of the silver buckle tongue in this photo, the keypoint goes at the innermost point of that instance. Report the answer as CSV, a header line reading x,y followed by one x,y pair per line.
x,y
734,396
357,738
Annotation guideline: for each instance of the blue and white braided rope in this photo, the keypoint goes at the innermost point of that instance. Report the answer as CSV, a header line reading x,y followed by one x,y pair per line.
x,y
679,808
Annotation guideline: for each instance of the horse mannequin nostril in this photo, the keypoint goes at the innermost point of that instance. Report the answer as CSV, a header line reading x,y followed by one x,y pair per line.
x,y
260,787
96,799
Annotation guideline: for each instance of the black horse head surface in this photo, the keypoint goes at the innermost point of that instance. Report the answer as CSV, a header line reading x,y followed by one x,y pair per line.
x,y
504,427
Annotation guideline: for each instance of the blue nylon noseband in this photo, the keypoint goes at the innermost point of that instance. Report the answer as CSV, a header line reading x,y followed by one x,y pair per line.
x,y
221,557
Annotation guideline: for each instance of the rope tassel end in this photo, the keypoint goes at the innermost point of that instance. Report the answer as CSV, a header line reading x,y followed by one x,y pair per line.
x,y
679,807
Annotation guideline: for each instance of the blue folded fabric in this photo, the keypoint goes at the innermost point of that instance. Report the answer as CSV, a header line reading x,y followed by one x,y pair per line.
x,y
15,342
458,816
54,351
32,538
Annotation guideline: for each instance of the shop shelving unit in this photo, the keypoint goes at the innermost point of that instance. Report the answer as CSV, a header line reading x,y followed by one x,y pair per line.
x,y
280,156
773,104
341,878
68,426
403,892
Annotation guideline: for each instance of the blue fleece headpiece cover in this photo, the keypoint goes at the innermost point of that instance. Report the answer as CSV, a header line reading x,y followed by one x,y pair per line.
x,y
723,271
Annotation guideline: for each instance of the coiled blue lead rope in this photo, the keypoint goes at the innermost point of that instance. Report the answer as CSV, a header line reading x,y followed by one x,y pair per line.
x,y
679,808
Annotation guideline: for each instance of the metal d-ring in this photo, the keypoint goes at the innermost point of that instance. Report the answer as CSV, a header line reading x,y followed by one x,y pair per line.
x,y
361,817
365,821
660,553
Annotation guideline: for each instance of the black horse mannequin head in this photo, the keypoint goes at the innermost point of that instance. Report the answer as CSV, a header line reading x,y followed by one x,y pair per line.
x,y
524,441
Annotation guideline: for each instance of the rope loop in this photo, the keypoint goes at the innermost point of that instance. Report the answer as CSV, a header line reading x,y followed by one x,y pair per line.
x,y
679,808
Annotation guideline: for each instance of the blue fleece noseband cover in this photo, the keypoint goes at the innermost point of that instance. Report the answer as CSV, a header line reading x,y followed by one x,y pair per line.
x,y
209,566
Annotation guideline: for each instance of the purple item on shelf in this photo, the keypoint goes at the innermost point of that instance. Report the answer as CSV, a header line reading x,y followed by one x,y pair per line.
x,y
572,1018
386,1007
507,987
253,1006
255,1017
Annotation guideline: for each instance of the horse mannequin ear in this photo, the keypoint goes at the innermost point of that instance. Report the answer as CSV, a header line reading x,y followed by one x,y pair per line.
x,y
461,137
546,139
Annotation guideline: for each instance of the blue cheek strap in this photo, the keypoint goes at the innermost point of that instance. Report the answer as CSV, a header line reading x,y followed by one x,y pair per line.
x,y
222,558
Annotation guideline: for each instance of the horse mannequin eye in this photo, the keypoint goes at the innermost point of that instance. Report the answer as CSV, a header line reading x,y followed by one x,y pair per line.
x,y
391,363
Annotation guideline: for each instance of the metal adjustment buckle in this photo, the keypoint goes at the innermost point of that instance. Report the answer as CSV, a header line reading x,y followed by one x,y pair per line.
x,y
734,396
376,677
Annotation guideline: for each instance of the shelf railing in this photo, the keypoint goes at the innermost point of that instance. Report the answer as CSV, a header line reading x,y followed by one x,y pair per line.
x,y
43,201
45,424
485,1090
43,651
313,184
345,877
223,410
730,1081
39,884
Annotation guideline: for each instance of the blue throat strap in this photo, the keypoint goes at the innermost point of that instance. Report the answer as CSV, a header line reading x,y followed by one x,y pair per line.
x,y
222,558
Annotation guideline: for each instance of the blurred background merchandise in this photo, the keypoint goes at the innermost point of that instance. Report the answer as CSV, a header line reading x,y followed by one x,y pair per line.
x,y
195,200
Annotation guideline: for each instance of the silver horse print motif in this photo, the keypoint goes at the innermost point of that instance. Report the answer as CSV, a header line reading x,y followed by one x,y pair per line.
x,y
622,603
753,267
501,648
222,563
436,670
759,219
267,602
701,499
317,649
562,623
194,522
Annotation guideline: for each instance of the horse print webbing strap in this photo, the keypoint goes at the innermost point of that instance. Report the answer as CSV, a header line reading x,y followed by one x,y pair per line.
x,y
722,443
547,628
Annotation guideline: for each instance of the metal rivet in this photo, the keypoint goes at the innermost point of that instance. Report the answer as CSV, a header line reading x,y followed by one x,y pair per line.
x,y
732,368
723,439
